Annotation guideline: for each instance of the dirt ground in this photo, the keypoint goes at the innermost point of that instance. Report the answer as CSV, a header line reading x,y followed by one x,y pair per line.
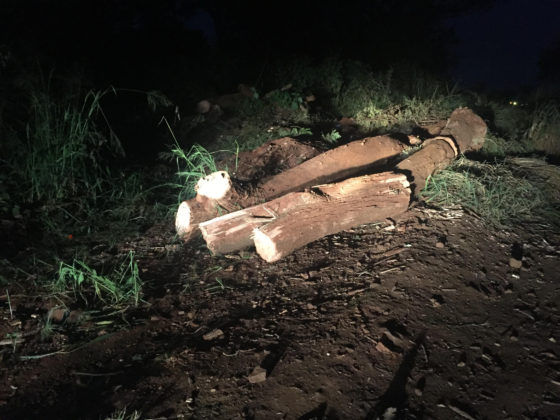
x,y
435,315
432,316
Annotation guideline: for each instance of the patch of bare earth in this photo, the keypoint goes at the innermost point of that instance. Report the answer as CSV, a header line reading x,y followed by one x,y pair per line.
x,y
435,316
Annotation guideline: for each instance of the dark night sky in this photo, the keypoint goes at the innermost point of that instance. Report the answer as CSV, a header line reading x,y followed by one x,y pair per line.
x,y
500,47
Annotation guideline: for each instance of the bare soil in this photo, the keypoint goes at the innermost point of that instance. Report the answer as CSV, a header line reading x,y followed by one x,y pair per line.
x,y
436,315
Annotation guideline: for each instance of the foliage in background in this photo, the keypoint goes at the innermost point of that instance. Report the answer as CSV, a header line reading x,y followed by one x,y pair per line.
x,y
377,100
61,148
293,131
510,121
544,129
497,147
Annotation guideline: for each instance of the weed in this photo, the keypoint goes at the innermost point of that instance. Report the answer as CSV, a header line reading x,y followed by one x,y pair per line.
x,y
9,304
497,147
287,99
331,137
122,415
63,147
122,286
191,166
294,131
48,328
218,287
491,191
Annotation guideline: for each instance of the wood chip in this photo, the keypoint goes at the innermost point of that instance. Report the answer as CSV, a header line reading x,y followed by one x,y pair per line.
x,y
380,347
212,335
258,375
460,412
515,263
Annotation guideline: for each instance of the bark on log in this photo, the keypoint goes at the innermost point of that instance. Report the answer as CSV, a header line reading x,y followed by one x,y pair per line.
x,y
218,193
436,154
291,221
339,206
334,165
296,219
464,132
234,231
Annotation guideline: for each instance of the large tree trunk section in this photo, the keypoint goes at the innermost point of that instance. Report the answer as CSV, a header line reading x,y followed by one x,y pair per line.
x,y
339,206
464,132
467,129
234,231
296,219
291,221
218,194
351,159
436,154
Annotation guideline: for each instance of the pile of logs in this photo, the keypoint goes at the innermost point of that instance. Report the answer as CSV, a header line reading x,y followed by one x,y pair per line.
x,y
331,192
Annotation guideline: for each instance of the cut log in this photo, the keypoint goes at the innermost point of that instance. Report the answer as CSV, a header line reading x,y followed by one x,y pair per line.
x,y
336,207
357,157
464,132
218,193
436,154
312,214
234,231
291,221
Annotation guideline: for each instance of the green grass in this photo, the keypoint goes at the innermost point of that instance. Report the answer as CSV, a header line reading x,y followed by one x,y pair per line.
x,y
62,145
489,190
191,165
123,415
331,137
122,286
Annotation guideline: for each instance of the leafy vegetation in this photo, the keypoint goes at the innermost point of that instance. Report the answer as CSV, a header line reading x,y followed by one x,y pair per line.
x,y
63,144
490,190
123,285
332,137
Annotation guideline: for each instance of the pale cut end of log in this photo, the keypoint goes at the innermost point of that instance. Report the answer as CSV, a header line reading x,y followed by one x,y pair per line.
x,y
183,220
265,246
214,186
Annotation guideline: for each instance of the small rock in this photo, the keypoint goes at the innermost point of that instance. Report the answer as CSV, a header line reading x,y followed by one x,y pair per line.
x,y
413,140
515,263
213,335
440,244
380,347
258,375
57,315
